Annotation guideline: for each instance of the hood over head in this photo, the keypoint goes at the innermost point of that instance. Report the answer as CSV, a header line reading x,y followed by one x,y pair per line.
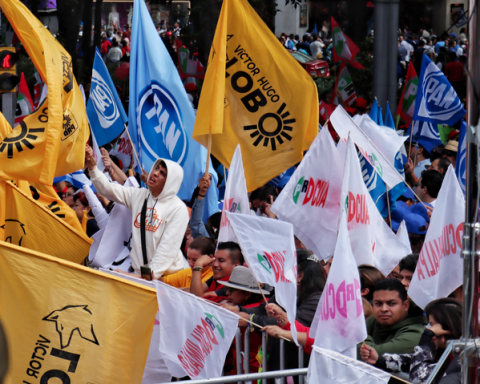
x,y
174,178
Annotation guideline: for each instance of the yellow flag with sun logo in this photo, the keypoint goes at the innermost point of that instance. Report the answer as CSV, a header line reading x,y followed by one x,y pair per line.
x,y
269,105
51,141
70,324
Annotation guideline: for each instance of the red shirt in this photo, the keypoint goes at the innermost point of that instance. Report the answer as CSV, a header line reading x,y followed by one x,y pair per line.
x,y
105,46
454,71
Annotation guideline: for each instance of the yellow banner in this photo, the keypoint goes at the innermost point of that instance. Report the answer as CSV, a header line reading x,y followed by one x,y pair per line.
x,y
70,324
51,141
270,103
29,224
5,127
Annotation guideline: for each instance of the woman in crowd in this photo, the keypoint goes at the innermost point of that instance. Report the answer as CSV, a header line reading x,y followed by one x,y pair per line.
x,y
85,214
68,196
445,318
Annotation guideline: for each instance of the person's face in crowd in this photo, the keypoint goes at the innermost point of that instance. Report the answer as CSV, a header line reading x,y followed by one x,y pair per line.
x,y
411,149
327,265
192,256
79,208
223,266
450,155
68,197
237,296
388,308
395,274
439,341
406,277
299,278
420,190
434,166
157,180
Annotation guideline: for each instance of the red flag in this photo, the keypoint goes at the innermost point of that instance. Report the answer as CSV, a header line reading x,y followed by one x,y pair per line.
x,y
343,48
188,63
37,89
406,106
325,111
24,101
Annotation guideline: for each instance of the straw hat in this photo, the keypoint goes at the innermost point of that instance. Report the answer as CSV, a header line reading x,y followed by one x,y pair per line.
x,y
242,278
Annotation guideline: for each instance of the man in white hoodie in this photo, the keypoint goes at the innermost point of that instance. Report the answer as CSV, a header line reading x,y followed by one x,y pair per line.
x,y
166,216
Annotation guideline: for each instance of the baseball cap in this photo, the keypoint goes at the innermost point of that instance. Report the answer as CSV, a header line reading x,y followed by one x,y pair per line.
x,y
420,209
360,102
190,87
415,224
398,214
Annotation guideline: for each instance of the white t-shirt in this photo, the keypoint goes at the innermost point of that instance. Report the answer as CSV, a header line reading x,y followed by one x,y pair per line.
x,y
409,47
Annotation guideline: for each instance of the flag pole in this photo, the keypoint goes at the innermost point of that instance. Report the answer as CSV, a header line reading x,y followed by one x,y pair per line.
x,y
410,144
133,147
388,205
209,151
264,298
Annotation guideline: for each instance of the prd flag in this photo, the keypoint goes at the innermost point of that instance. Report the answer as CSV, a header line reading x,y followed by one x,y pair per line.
x,y
236,196
328,367
269,249
437,102
62,332
311,199
461,163
339,322
343,48
325,110
160,116
51,141
188,63
194,336
29,224
371,239
406,106
345,86
24,101
257,98
105,110
345,126
440,265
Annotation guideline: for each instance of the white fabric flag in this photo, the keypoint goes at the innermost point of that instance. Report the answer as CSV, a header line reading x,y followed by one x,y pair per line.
x,y
339,322
328,367
439,268
345,126
115,241
268,246
311,199
342,150
402,234
97,155
236,196
156,370
195,336
372,240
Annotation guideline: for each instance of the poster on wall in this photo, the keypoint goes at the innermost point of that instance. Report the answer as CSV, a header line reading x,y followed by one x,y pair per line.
x,y
458,15
303,16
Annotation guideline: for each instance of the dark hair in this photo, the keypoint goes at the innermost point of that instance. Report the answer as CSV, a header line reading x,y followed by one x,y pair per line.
x,y
114,43
409,262
443,164
262,193
448,313
83,199
425,153
235,252
204,245
392,285
313,281
433,181
416,242
369,276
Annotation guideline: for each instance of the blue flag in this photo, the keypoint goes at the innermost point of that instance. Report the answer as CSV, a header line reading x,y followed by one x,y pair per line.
x,y
436,102
78,179
380,116
389,118
161,118
374,111
315,30
104,109
461,163
425,133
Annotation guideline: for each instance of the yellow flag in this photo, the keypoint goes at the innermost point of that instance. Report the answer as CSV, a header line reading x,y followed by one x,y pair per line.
x,y
51,141
69,324
5,127
270,103
31,225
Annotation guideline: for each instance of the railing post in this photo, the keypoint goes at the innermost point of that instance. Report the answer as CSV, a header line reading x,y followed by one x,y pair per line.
x,y
300,363
238,350
246,353
281,380
264,351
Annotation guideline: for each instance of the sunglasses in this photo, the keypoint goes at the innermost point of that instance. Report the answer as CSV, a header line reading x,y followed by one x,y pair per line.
x,y
449,153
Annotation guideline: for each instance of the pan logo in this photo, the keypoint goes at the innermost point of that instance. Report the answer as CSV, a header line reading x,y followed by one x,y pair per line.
x,y
103,101
161,124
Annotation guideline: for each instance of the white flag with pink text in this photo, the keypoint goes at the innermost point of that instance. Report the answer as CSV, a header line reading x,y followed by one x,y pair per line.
x,y
236,196
268,247
439,268
339,322
311,198
372,240
194,336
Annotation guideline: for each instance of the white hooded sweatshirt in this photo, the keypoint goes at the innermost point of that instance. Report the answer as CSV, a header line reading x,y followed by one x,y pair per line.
x,y
166,219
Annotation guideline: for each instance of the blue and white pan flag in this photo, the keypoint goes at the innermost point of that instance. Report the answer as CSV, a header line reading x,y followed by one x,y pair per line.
x,y
104,109
425,133
78,179
437,102
161,118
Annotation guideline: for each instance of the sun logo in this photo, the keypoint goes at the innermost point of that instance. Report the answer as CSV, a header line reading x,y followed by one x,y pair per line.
x,y
272,131
22,138
69,124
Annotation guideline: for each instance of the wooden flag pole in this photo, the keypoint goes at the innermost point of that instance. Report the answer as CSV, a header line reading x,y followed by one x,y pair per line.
x,y
209,151
388,205
133,147
264,298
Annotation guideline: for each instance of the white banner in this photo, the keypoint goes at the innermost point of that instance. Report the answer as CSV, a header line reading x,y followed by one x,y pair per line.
x,y
402,235
236,196
440,268
372,240
339,322
311,199
345,126
328,367
194,336
268,246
